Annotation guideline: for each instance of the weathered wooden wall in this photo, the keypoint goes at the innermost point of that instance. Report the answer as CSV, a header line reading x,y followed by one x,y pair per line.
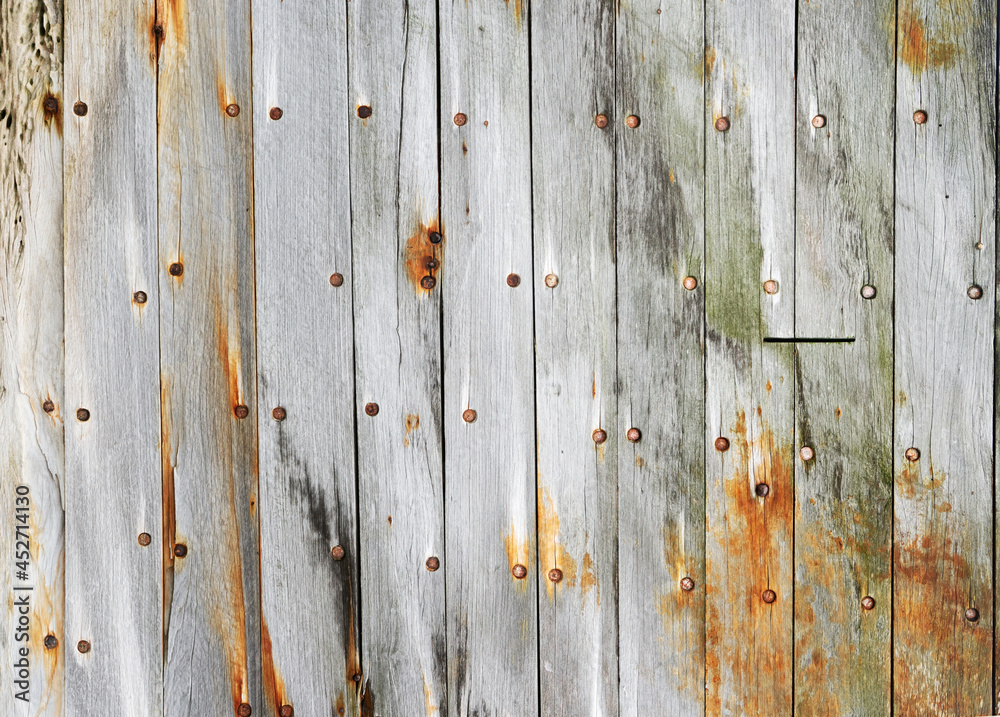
x,y
498,357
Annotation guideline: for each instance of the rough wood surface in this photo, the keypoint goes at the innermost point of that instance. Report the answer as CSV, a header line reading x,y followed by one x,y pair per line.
x,y
843,242
394,198
212,619
660,240
945,208
749,180
489,365
574,194
113,487
31,354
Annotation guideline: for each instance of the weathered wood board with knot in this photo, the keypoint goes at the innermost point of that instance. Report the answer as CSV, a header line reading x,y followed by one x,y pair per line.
x,y
493,358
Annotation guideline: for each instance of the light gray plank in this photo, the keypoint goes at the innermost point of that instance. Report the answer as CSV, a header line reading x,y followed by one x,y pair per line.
x,y
945,205
304,360
31,356
574,193
212,594
489,368
843,527
394,196
660,242
749,180
113,485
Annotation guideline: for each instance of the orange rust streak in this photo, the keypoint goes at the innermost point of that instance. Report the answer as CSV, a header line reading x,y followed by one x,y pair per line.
x,y
229,355
167,475
412,423
919,49
174,13
551,552
419,252
274,684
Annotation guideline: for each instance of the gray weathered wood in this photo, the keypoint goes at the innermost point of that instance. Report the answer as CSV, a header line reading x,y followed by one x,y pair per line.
x,y
843,242
749,180
489,368
394,198
304,358
574,194
212,595
660,242
113,488
31,351
945,205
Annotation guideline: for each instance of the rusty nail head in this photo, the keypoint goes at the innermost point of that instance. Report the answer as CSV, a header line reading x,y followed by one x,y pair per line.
x,y
687,584
139,297
770,286
48,406
371,409
551,280
633,434
286,711
51,103
278,413
972,614
599,436
80,109
513,280
722,124
690,283
428,282
176,269
460,119
233,109
632,121
357,677
145,539
433,563
806,453
722,444
819,121
920,117
364,111
82,414
867,603
180,550
337,552
50,642
519,571
241,411
244,710
468,415
868,292
83,646
555,575
912,454
275,113
769,596
435,237
601,121
975,292
336,279
762,489
432,263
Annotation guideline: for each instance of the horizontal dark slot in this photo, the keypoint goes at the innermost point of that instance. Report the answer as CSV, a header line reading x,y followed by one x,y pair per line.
x,y
801,340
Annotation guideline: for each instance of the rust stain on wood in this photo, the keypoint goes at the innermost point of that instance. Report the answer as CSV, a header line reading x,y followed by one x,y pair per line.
x,y
551,552
411,423
274,685
174,14
167,477
518,552
709,60
918,48
340,703
421,257
230,355
52,118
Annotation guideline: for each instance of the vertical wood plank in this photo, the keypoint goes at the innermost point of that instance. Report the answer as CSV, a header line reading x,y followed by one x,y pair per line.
x,y
749,179
31,356
396,240
660,240
945,208
206,263
843,527
574,189
113,487
488,367
309,549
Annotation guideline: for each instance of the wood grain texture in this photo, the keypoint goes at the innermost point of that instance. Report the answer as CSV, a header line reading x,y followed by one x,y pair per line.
x,y
304,359
394,198
488,366
113,487
31,352
574,193
660,241
843,242
945,208
210,484
749,179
